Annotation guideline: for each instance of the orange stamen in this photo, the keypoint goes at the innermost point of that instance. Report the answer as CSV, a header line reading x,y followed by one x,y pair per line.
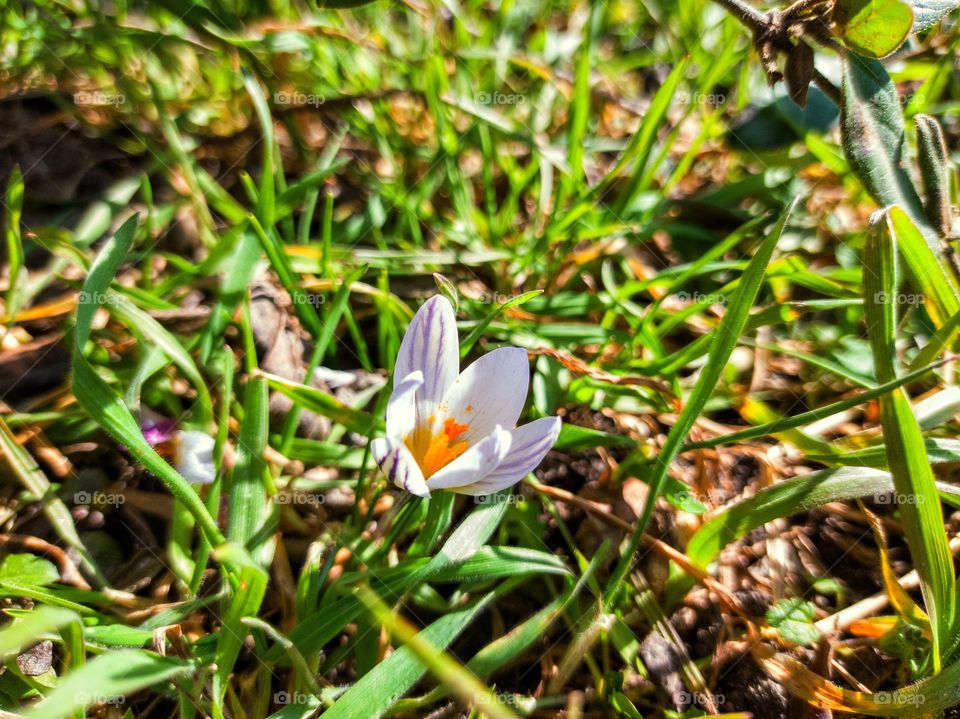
x,y
434,450
452,429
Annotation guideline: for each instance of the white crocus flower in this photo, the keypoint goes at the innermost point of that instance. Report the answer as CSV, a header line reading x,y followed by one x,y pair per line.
x,y
452,430
194,456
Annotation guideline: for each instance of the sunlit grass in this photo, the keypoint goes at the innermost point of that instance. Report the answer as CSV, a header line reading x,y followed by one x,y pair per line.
x,y
227,214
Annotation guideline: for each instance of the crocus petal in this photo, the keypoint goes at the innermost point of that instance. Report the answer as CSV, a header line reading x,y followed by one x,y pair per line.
x,y
488,393
529,444
401,407
399,465
155,427
431,346
474,464
158,432
194,457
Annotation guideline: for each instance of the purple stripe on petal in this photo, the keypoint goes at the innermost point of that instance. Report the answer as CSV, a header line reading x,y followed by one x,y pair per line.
x,y
438,358
430,346
398,465
395,462
530,443
423,337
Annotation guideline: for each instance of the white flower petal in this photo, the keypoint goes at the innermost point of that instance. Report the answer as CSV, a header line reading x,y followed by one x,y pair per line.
x,y
399,465
474,464
489,393
194,457
529,444
334,378
401,407
432,347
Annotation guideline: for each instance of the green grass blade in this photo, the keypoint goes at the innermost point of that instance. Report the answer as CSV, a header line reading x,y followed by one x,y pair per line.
x,y
243,266
798,420
267,191
36,483
331,320
471,339
937,343
281,265
23,632
151,334
104,405
459,680
325,404
937,287
375,692
783,499
724,341
642,143
470,535
15,255
247,490
244,603
108,676
494,562
918,501
580,110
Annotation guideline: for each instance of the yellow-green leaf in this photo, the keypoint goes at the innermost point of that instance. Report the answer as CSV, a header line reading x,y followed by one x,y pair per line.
x,y
873,28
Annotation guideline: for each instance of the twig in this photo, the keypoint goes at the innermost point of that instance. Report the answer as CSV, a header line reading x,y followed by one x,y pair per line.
x,y
761,24
748,15
69,574
843,619
829,89
682,560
